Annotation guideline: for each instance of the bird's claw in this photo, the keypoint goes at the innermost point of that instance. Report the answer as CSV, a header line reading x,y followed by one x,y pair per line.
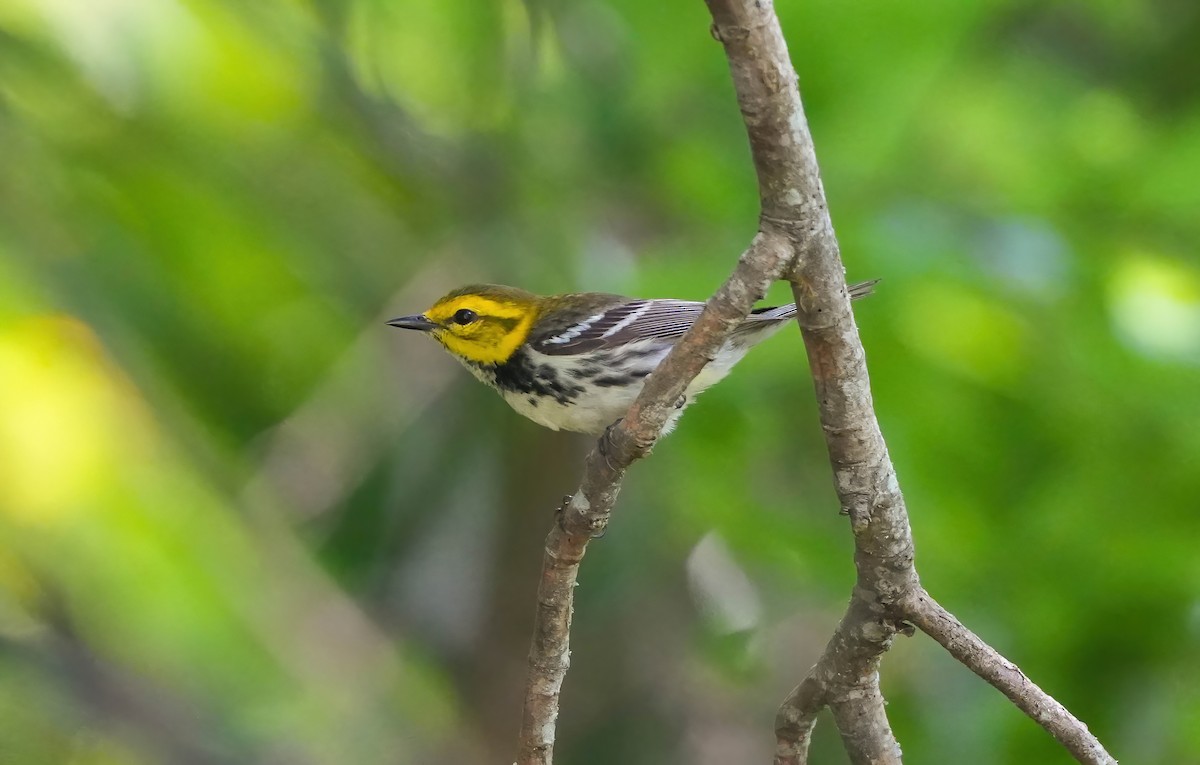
x,y
605,444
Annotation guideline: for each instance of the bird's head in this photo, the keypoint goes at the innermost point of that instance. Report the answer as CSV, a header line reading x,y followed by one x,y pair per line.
x,y
482,323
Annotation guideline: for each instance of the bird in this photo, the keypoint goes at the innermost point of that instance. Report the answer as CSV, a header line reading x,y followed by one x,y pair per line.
x,y
576,362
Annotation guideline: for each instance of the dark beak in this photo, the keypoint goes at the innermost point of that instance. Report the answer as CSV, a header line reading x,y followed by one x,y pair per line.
x,y
413,322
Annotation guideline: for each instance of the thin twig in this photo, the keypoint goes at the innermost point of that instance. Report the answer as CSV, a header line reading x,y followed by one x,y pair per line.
x,y
795,721
963,644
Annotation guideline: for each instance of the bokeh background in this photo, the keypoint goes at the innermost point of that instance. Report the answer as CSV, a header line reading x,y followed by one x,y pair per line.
x,y
242,521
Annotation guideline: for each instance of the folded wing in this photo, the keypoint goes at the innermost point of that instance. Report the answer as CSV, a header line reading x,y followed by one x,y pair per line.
x,y
665,320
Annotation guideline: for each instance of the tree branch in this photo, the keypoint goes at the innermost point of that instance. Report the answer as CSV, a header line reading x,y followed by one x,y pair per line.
x,y
888,590
1006,677
793,203
795,721
795,239
846,679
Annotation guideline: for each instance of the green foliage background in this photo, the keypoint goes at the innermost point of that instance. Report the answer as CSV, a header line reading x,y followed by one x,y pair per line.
x,y
241,521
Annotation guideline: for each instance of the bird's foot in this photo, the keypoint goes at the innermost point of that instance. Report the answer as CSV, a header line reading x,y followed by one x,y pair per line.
x,y
605,444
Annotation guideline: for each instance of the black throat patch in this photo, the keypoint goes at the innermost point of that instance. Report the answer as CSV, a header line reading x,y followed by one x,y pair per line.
x,y
523,374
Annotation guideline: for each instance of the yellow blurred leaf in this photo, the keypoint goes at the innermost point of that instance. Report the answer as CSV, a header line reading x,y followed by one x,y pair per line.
x,y
62,417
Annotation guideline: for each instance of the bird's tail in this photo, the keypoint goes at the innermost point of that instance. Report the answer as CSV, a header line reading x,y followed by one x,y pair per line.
x,y
856,291
862,289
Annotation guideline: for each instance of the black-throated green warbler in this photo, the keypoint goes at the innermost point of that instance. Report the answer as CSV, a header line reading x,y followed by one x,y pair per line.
x,y
576,362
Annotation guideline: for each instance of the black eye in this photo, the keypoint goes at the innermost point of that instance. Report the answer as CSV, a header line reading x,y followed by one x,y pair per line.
x,y
465,316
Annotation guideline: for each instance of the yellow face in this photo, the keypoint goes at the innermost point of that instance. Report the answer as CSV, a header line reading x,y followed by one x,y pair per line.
x,y
485,327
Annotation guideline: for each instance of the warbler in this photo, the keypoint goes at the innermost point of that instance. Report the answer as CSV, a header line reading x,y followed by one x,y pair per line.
x,y
576,362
